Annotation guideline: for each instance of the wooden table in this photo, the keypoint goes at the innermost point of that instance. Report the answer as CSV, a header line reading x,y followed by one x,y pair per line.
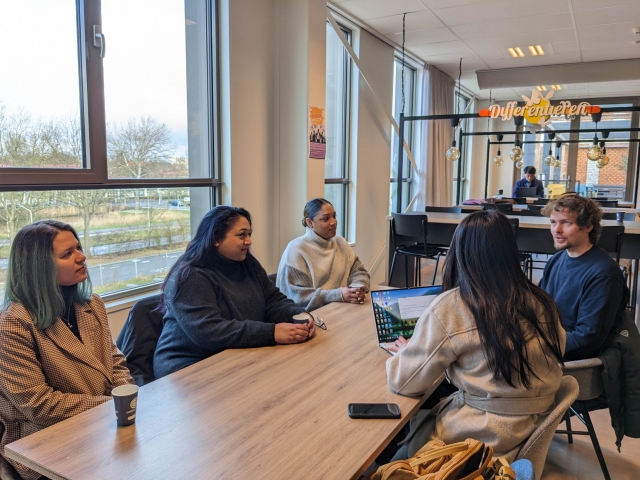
x,y
269,413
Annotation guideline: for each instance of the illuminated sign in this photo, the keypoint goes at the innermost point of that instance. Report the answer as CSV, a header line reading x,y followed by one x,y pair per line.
x,y
538,110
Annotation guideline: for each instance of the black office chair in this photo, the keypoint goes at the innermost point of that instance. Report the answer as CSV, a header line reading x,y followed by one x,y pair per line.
x,y
535,207
531,213
611,240
541,201
139,338
505,208
607,203
525,257
443,209
414,228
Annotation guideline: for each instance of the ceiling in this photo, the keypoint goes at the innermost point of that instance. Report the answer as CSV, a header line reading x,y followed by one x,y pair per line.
x,y
441,32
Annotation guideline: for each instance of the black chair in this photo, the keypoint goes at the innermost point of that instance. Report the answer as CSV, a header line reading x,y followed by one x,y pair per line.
x,y
139,338
468,210
443,209
273,277
535,207
629,217
541,201
607,203
414,228
611,240
525,257
505,208
520,200
531,213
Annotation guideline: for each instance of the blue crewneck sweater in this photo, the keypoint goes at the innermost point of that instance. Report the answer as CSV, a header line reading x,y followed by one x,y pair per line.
x,y
591,294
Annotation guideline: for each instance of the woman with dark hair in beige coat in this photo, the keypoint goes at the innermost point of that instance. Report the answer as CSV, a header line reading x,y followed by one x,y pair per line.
x,y
496,336
57,356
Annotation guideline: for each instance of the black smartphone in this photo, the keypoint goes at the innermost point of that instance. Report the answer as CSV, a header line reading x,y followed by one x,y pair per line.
x,y
374,410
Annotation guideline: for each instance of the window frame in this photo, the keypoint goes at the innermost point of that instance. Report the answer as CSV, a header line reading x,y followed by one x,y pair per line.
x,y
345,181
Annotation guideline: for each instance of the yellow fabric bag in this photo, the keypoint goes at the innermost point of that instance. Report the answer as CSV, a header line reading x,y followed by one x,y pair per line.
x,y
468,460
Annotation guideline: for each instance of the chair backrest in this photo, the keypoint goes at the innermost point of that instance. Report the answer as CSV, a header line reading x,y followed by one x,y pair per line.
x,y
139,338
273,277
535,207
588,374
541,201
607,203
531,213
629,217
413,226
506,208
515,225
536,447
443,209
611,240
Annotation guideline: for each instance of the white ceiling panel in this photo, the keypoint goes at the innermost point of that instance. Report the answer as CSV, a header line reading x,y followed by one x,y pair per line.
x,y
532,23
413,21
603,16
564,47
447,58
587,4
610,29
420,37
569,57
608,43
367,9
442,48
489,53
433,4
498,10
524,39
611,54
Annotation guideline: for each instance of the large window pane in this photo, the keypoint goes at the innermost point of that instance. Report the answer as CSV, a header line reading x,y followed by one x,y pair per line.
x,y
39,85
131,237
336,194
156,73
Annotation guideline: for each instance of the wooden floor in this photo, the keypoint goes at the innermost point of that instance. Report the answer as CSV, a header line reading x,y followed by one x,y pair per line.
x,y
578,461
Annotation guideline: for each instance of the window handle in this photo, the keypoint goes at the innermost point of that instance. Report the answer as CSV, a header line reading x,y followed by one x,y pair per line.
x,y
99,40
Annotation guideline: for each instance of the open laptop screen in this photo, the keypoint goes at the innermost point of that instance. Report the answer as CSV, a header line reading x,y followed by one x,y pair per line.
x,y
526,192
396,312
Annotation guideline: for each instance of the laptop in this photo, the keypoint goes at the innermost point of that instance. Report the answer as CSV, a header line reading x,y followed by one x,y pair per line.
x,y
397,311
526,192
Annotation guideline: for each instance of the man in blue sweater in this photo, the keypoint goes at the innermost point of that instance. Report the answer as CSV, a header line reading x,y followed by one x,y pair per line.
x,y
582,278
529,181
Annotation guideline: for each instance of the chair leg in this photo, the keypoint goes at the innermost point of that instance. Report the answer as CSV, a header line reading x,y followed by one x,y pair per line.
x,y
406,271
393,264
418,273
594,440
435,270
567,419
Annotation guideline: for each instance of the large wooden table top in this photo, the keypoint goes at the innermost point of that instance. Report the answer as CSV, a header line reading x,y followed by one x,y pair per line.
x,y
277,412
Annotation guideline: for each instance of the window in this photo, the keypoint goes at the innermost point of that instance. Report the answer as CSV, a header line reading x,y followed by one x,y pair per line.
x,y
112,130
409,103
338,100
464,106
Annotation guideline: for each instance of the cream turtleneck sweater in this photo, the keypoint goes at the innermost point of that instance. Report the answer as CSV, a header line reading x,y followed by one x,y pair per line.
x,y
313,270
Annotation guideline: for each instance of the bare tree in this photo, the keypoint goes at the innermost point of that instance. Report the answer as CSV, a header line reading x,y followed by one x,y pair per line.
x,y
11,211
88,203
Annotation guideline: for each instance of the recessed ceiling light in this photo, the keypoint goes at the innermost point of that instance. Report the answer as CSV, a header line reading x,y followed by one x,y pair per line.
x,y
532,49
558,87
512,52
544,89
539,88
519,52
539,49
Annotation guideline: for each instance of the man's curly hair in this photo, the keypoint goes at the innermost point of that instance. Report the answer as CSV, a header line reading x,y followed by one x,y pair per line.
x,y
588,212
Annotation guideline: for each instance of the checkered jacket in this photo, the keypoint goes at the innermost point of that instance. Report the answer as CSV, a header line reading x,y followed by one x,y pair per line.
x,y
49,375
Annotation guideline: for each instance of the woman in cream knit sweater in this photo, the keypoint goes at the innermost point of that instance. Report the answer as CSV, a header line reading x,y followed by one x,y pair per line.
x,y
318,267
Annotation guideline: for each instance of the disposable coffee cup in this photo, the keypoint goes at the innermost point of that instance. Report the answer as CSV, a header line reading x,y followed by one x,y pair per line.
x,y
301,319
620,216
125,398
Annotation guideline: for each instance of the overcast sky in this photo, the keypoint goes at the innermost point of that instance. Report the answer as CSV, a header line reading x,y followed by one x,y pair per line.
x,y
144,68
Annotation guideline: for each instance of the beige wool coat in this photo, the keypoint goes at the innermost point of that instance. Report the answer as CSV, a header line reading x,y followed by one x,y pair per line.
x,y
446,340
47,376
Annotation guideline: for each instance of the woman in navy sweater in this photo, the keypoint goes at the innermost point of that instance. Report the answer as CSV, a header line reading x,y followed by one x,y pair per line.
x,y
218,296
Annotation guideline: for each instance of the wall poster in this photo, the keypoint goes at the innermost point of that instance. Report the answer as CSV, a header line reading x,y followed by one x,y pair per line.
x,y
317,133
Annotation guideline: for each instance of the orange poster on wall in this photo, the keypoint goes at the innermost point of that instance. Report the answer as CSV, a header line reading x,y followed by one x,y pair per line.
x,y
317,133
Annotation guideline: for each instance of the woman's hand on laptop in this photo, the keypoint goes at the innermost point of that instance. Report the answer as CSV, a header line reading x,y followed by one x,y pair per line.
x,y
353,294
398,345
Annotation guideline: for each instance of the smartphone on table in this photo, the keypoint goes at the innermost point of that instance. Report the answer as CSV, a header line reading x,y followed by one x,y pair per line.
x,y
374,410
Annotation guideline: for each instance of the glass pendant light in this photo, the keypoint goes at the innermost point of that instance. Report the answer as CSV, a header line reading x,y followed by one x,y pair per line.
x,y
595,152
599,165
516,153
453,153
550,160
519,164
557,163
604,159
497,160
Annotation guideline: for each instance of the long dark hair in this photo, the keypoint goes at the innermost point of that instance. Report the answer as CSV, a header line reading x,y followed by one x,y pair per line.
x,y
483,261
213,228
31,273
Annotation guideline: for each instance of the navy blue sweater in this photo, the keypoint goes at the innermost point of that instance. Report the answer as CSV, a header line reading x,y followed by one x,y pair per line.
x,y
221,304
591,294
535,183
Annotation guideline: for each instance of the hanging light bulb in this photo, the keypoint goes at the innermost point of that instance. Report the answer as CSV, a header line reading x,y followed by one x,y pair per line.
x,y
604,159
497,160
516,152
453,153
599,165
557,163
550,160
594,151
519,164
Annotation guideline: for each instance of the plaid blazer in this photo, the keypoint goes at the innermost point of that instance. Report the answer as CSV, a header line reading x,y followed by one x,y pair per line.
x,y
49,375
